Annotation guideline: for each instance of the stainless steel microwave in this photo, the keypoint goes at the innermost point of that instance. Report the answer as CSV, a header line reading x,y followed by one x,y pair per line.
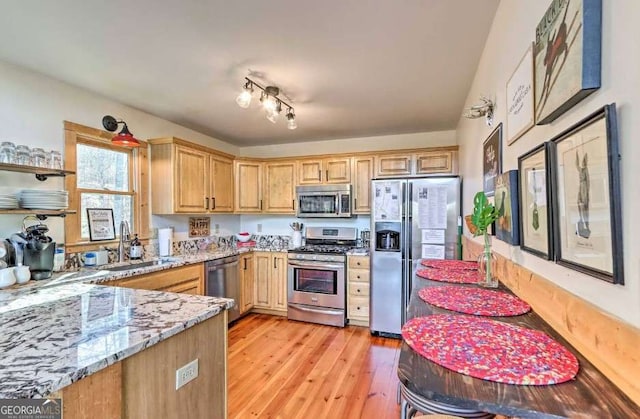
x,y
324,201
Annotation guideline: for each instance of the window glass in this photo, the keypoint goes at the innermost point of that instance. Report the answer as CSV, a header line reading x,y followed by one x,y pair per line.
x,y
102,168
122,209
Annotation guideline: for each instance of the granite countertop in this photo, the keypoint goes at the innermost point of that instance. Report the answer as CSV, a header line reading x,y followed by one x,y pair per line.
x,y
52,337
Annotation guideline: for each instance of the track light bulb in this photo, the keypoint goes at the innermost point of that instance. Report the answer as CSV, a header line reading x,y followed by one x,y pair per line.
x,y
269,104
244,99
291,120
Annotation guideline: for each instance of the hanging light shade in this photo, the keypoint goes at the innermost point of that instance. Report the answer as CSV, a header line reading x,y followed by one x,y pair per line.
x,y
291,119
124,138
244,99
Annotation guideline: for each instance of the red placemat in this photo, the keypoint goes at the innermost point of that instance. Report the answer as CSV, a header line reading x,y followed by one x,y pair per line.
x,y
458,265
444,275
490,350
476,301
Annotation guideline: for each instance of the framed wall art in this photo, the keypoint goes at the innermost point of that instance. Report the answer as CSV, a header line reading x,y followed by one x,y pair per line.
x,y
101,224
567,56
587,212
492,160
520,111
506,197
199,226
534,197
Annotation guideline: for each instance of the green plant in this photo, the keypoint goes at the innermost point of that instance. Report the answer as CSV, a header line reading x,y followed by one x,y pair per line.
x,y
484,214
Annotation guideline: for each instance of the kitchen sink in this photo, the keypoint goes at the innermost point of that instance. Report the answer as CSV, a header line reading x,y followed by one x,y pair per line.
x,y
130,266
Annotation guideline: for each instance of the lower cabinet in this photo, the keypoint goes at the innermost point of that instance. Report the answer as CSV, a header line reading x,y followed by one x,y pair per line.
x,y
185,279
270,291
358,290
246,282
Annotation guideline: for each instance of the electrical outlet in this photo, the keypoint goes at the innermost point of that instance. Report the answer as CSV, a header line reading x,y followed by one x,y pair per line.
x,y
217,228
187,373
259,228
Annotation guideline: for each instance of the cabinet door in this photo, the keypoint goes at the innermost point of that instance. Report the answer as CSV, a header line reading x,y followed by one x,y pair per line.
x,y
189,287
337,170
192,180
362,175
279,281
393,165
247,282
221,198
280,187
262,289
434,162
248,187
310,172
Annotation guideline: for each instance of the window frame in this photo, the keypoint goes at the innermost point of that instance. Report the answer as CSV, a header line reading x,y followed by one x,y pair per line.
x,y
138,177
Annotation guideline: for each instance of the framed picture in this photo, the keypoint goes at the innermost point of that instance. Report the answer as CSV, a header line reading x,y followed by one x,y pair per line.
x,y
534,198
587,212
506,197
567,56
492,160
520,113
101,224
199,226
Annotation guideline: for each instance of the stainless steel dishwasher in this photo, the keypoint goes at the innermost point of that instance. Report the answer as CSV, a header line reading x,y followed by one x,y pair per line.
x,y
221,280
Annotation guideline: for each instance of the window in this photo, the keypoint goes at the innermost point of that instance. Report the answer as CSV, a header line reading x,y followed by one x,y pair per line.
x,y
107,176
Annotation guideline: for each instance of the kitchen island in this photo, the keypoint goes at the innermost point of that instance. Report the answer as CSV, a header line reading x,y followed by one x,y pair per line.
x,y
114,350
590,394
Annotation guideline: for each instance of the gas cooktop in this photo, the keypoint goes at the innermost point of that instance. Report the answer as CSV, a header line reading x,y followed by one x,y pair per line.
x,y
323,248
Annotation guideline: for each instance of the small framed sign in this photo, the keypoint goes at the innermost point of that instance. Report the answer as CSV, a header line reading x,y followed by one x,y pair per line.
x,y
520,115
492,160
101,224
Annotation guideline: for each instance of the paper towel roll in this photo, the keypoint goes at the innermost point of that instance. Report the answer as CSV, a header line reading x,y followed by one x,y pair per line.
x,y
165,241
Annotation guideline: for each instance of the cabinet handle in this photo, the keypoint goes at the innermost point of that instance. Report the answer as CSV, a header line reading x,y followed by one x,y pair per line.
x,y
319,175
245,264
261,205
326,174
213,202
355,203
207,202
275,263
293,204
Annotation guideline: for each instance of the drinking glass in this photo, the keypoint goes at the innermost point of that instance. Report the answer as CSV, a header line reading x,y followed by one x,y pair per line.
x,y
7,152
55,160
23,155
38,157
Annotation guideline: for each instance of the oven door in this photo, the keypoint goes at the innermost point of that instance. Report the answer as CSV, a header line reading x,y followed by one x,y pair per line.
x,y
316,283
321,204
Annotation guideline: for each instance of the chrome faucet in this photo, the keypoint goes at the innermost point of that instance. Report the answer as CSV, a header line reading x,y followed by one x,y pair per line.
x,y
125,235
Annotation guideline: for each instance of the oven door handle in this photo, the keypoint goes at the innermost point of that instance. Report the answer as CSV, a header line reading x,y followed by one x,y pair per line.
x,y
321,310
314,264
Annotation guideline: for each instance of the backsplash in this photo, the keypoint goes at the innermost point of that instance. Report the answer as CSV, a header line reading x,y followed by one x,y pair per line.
x,y
74,261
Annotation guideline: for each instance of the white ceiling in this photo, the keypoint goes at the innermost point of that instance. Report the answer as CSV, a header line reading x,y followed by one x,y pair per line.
x,y
351,68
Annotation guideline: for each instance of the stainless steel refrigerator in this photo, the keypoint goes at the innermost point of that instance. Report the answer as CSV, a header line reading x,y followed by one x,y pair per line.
x,y
411,219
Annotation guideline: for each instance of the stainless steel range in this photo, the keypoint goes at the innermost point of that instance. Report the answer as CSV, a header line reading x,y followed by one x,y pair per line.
x,y
316,279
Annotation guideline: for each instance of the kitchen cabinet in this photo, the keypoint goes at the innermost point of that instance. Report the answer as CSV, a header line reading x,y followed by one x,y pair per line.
x,y
358,282
280,187
270,292
187,178
185,279
436,162
361,175
248,186
393,165
420,162
326,170
246,281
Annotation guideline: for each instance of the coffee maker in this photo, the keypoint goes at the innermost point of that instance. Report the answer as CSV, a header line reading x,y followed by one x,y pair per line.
x,y
32,248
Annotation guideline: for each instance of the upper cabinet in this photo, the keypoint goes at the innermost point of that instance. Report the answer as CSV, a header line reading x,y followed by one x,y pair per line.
x,y
420,162
248,196
280,187
327,170
361,175
187,178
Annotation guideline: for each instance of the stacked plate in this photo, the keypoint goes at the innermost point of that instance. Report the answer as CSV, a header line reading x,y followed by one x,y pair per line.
x,y
8,201
43,199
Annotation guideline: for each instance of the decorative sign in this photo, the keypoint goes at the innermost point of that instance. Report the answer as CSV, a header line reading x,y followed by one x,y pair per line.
x,y
567,56
520,115
199,226
507,224
101,224
492,160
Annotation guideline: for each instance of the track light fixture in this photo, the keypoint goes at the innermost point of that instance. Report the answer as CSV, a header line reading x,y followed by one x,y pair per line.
x,y
124,138
270,101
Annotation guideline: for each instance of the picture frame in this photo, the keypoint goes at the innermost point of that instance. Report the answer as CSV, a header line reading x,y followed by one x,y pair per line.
x,y
491,160
101,224
534,202
506,197
199,226
520,98
567,56
585,174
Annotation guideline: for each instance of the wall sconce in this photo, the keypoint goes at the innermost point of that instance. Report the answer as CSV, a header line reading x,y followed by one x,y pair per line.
x,y
270,101
124,137
482,109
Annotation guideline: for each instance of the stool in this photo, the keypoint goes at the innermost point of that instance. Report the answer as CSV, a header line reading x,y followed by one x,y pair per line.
x,y
412,403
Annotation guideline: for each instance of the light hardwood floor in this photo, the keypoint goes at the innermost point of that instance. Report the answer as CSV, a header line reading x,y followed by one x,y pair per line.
x,y
287,369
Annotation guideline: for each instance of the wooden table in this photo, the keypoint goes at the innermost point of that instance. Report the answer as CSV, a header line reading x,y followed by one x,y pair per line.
x,y
590,395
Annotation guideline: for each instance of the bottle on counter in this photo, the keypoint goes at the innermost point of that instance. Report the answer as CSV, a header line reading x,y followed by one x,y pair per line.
x,y
58,259
135,250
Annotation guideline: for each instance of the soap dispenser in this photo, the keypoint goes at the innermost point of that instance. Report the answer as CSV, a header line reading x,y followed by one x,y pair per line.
x,y
135,249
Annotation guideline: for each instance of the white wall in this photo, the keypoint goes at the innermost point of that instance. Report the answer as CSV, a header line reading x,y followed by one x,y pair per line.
x,y
512,32
32,110
279,224
347,145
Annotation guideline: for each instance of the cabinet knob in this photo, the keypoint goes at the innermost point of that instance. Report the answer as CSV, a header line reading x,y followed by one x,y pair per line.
x,y
357,308
358,290
358,263
358,277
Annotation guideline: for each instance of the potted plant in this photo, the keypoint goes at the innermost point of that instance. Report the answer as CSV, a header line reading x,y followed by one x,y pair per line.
x,y
484,214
